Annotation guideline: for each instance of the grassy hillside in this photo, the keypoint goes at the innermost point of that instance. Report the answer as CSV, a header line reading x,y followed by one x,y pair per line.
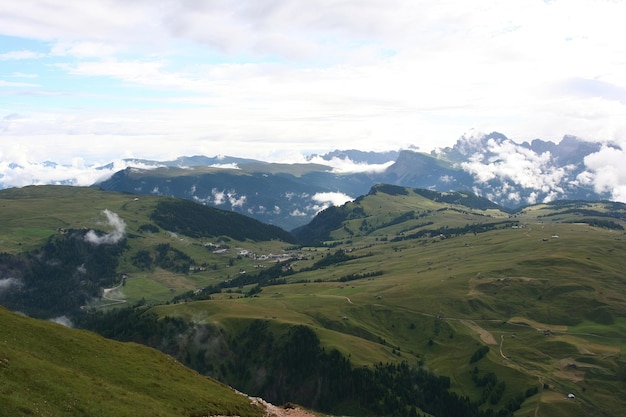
x,y
49,370
146,248
432,282
516,309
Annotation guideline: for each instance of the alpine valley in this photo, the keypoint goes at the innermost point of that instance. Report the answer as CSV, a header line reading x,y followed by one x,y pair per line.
x,y
406,301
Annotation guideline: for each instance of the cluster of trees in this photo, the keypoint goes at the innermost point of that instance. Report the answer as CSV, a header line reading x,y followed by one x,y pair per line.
x,y
456,231
494,389
612,210
606,224
61,276
148,228
274,275
353,277
332,259
135,324
195,220
164,256
479,354
319,228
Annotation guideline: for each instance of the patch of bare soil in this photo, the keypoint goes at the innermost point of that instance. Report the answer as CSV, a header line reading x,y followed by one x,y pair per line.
x,y
274,411
485,335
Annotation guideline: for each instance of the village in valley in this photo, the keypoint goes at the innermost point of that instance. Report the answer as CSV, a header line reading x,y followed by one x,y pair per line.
x,y
262,259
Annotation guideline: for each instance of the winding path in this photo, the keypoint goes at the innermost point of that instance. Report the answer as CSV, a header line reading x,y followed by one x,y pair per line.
x,y
502,343
113,301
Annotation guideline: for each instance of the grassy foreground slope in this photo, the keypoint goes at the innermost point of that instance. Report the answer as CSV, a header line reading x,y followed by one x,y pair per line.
x,y
49,370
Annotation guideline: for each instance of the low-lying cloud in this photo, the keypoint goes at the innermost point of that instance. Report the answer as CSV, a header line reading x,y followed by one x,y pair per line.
x,y
20,173
225,166
63,321
111,238
605,171
6,283
328,199
334,198
347,165
220,197
511,163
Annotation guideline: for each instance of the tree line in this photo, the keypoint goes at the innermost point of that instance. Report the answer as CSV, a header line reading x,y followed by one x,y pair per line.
x,y
288,364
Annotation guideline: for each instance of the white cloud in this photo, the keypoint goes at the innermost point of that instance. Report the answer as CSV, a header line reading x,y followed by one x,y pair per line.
x,y
80,49
346,165
117,234
532,198
257,79
236,201
63,320
226,166
6,283
332,198
19,55
607,172
514,197
219,197
17,171
298,213
508,161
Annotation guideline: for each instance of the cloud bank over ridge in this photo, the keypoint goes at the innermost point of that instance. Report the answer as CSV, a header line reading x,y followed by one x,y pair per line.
x,y
159,79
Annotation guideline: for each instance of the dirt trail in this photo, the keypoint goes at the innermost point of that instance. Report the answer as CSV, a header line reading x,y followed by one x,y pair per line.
x,y
502,343
336,296
107,291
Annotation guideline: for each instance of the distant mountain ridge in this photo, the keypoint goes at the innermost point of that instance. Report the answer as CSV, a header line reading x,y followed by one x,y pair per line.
x,y
289,195
512,174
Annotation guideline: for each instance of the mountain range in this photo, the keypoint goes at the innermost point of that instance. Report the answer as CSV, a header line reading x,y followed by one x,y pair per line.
x,y
289,195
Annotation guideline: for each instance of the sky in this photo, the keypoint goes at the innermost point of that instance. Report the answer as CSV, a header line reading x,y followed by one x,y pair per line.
x,y
90,82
